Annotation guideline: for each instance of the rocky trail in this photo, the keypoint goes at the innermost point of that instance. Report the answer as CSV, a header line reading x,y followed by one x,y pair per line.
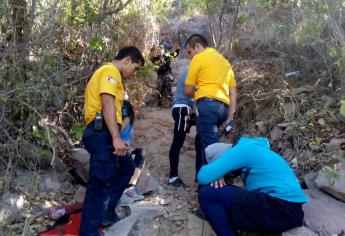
x,y
301,119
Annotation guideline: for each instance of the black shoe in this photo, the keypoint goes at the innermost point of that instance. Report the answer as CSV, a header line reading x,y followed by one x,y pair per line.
x,y
178,182
110,219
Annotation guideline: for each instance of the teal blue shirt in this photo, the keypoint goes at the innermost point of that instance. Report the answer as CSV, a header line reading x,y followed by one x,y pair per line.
x,y
261,169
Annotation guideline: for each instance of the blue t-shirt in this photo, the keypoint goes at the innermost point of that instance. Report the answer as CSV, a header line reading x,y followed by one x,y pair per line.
x,y
261,169
180,96
126,133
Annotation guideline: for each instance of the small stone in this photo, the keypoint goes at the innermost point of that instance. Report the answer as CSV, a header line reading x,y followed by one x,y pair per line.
x,y
321,121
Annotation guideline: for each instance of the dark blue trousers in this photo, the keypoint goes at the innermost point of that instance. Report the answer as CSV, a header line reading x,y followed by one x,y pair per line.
x,y
210,115
109,176
231,208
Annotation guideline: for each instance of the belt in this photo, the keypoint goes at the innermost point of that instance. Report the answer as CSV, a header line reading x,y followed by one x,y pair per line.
x,y
212,100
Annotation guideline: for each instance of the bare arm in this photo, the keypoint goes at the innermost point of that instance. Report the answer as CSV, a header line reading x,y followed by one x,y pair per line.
x,y
189,90
233,102
232,107
109,113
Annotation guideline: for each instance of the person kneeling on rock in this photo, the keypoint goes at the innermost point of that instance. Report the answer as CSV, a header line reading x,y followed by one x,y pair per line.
x,y
271,200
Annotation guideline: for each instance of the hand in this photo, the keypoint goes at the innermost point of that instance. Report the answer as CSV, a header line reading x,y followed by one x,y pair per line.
x,y
120,147
221,128
218,183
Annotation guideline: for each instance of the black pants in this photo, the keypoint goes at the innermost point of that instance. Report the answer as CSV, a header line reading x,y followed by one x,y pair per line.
x,y
180,115
164,88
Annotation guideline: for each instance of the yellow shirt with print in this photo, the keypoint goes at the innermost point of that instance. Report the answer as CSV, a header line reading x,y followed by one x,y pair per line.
x,y
212,75
106,79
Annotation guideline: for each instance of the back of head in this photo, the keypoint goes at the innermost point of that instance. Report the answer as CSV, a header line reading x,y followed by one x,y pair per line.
x,y
132,52
194,39
215,150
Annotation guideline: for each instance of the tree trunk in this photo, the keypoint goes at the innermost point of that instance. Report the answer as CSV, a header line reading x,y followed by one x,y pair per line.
x,y
19,24
233,30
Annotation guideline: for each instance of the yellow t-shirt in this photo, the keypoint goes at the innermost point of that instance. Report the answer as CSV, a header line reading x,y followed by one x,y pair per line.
x,y
212,75
106,79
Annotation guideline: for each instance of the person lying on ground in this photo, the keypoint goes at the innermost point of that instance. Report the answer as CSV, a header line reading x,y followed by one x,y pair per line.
x,y
271,200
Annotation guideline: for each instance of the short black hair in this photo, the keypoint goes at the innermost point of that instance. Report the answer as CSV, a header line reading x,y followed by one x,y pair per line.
x,y
196,38
128,111
133,52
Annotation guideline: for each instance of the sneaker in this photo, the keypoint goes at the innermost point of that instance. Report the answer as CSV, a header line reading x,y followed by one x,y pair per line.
x,y
134,193
177,182
110,219
125,200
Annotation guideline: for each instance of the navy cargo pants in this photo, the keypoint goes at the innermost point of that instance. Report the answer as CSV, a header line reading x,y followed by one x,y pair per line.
x,y
109,176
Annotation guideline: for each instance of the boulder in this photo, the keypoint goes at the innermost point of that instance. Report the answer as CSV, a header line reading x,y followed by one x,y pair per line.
x,y
300,231
322,214
146,183
334,185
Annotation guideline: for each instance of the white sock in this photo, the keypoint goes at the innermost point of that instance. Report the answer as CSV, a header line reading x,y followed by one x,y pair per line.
x,y
172,179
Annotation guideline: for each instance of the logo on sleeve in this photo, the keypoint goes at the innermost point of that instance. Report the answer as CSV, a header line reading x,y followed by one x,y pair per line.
x,y
111,80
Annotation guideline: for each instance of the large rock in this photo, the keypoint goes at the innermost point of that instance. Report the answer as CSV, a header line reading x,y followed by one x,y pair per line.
x,y
81,162
300,231
146,183
334,185
323,214
129,225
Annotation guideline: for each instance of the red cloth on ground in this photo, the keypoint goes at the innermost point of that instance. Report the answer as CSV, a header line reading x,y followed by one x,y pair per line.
x,y
69,229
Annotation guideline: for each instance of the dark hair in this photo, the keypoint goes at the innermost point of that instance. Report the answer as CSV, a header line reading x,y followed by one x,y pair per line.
x,y
131,51
128,111
196,38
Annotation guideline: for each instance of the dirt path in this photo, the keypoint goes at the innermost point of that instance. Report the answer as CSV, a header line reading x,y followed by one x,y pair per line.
x,y
153,132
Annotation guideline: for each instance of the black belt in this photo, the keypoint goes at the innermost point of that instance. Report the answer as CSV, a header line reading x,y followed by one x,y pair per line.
x,y
213,100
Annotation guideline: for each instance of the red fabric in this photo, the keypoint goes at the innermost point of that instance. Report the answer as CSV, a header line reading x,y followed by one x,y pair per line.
x,y
69,229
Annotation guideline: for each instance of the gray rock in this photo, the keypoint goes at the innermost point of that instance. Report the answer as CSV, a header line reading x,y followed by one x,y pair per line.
x,y
146,183
276,133
300,231
197,226
322,214
321,121
262,127
290,109
49,184
329,101
335,186
79,195
335,144
139,213
81,162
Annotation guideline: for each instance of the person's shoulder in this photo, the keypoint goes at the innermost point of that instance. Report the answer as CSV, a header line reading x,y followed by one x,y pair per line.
x,y
111,69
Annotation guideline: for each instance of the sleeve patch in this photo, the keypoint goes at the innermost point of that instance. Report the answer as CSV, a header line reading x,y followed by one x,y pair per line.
x,y
111,80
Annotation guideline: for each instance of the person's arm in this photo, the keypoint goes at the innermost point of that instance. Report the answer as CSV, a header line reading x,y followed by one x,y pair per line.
x,y
189,90
233,159
189,84
233,101
109,114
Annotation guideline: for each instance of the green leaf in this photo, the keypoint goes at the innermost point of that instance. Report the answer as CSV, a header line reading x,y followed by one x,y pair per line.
x,y
342,107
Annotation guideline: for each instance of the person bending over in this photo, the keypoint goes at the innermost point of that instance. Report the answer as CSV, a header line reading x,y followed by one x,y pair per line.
x,y
271,200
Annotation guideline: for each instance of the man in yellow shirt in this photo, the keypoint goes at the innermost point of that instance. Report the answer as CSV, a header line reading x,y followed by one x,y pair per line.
x,y
211,81
111,168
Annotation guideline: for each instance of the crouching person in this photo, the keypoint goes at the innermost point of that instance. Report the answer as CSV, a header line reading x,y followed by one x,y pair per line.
x,y
271,200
